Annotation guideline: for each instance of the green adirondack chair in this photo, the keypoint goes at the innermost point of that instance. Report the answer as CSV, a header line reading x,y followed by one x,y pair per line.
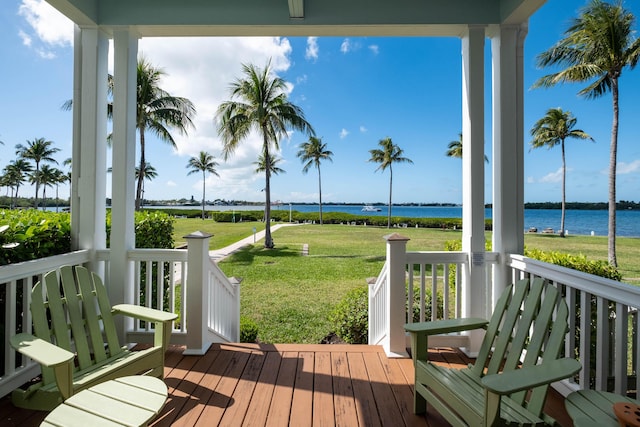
x,y
75,338
517,361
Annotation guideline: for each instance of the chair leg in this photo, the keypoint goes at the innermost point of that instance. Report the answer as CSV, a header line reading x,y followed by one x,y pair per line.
x,y
419,403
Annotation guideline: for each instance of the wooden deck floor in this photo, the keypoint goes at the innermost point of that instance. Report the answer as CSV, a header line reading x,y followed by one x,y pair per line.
x,y
288,385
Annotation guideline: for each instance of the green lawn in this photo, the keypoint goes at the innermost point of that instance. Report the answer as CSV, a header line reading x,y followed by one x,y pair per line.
x,y
224,233
290,296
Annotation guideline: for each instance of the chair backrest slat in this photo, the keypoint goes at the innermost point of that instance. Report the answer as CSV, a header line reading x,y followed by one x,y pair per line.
x,y
76,320
108,325
41,324
59,323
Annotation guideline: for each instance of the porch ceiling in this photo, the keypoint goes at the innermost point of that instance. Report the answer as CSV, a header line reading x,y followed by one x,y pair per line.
x,y
296,17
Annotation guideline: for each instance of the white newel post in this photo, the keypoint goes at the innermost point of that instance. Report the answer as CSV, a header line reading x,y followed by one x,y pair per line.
x,y
197,293
395,343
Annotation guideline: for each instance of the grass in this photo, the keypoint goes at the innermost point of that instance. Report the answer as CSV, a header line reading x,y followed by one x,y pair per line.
x,y
290,296
224,233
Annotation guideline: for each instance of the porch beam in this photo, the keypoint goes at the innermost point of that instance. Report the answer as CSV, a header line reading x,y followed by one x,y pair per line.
x,y
473,241
507,51
121,288
89,150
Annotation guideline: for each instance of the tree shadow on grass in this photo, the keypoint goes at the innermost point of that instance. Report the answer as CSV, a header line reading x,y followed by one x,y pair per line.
x,y
248,254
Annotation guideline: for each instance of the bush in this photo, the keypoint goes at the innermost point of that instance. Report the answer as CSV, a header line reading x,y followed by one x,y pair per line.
x,y
248,329
350,317
576,262
32,234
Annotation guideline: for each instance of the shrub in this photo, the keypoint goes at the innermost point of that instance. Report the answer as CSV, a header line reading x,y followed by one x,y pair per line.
x,y
576,262
248,329
37,234
350,317
427,304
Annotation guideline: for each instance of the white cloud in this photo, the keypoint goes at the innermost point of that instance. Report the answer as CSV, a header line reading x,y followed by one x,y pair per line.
x,y
553,177
625,168
530,180
345,46
363,129
301,79
344,133
374,48
171,184
312,48
48,26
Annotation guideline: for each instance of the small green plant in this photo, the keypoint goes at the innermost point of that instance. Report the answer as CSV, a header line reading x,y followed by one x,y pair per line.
x,y
248,329
350,317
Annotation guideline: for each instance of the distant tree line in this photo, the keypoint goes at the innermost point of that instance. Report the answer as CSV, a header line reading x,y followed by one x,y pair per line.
x,y
621,205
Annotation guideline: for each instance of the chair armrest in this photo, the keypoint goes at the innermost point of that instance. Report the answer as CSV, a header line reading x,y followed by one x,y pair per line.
x,y
49,355
144,313
446,326
41,351
531,376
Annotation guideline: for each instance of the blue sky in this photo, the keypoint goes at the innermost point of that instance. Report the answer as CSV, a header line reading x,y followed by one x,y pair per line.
x,y
354,91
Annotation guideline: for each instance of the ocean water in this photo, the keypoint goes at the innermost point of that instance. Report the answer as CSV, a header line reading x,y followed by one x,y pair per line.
x,y
583,222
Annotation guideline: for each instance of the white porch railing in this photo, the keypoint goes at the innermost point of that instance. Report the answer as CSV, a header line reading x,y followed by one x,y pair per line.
x,y
607,309
186,282
609,353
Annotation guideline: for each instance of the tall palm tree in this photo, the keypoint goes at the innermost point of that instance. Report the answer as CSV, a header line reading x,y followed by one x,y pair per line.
x,y
39,150
261,165
311,153
386,156
259,103
47,176
17,172
454,149
204,163
551,130
598,45
149,173
157,111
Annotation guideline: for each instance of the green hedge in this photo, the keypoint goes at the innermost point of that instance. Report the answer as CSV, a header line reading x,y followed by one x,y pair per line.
x,y
31,234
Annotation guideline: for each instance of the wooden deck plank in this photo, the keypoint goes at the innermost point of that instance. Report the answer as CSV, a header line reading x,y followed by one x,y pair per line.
x,y
243,392
323,411
302,404
220,399
289,385
259,407
403,393
389,413
343,400
282,397
185,392
366,408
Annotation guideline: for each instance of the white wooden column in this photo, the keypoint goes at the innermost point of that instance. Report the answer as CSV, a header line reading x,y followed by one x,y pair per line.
x,y
508,148
88,180
473,240
121,287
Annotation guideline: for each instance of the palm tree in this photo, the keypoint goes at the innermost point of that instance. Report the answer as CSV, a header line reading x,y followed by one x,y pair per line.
x,y
204,163
157,111
454,149
149,173
39,150
261,165
259,102
46,177
312,152
598,45
551,130
387,155
17,172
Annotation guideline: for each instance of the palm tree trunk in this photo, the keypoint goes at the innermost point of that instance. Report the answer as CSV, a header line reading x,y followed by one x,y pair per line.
x,y
320,193
390,187
611,247
35,203
564,178
204,177
268,241
141,172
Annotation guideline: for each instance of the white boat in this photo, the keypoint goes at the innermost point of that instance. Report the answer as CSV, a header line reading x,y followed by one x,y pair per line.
x,y
369,208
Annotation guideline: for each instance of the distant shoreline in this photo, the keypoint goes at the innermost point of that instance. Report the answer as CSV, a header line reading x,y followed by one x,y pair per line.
x,y
622,205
